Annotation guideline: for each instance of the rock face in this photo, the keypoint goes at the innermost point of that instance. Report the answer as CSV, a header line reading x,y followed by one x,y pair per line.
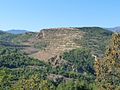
x,y
57,61
40,35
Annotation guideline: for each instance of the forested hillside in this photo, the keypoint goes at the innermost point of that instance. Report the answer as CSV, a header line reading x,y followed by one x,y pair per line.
x,y
60,59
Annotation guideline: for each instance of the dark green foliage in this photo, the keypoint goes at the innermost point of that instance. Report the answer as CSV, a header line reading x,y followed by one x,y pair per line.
x,y
6,36
95,39
20,39
33,83
11,58
14,66
76,85
81,58
21,72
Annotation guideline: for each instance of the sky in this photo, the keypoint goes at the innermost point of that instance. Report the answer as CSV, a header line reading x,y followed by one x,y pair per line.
x,y
35,15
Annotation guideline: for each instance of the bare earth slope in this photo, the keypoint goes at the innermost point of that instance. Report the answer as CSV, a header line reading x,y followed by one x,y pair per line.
x,y
57,41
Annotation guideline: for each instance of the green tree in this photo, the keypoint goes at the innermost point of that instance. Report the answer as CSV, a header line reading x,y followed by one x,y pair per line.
x,y
33,83
73,85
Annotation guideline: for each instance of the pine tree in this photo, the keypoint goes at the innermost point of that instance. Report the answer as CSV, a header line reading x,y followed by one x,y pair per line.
x,y
108,69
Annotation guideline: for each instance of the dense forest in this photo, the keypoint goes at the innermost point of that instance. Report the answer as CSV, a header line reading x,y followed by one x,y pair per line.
x,y
93,66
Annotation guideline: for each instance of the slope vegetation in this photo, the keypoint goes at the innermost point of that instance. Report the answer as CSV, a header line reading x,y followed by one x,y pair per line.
x,y
54,42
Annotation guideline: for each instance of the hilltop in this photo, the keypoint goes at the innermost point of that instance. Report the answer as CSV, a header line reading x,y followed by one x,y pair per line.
x,y
54,41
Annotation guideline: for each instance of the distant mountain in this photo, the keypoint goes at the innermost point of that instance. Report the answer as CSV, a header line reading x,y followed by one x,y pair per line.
x,y
115,29
17,31
2,32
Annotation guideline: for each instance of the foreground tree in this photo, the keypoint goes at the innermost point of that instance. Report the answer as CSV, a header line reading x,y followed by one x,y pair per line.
x,y
108,69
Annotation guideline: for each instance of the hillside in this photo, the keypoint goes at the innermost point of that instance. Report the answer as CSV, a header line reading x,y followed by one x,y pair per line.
x,y
51,42
1,32
6,38
55,42
49,45
54,58
95,38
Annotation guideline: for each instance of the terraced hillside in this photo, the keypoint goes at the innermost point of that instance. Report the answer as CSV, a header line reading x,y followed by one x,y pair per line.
x,y
54,42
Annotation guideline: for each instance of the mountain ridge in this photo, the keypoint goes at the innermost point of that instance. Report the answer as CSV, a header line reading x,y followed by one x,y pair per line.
x,y
114,29
15,31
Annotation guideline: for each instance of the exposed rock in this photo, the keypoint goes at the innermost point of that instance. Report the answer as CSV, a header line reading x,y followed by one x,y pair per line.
x,y
58,40
57,61
40,35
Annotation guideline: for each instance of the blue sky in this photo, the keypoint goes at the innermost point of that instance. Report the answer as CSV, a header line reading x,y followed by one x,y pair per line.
x,y
37,14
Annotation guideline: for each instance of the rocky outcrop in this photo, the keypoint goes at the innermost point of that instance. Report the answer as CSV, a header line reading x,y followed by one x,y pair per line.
x,y
40,35
56,61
